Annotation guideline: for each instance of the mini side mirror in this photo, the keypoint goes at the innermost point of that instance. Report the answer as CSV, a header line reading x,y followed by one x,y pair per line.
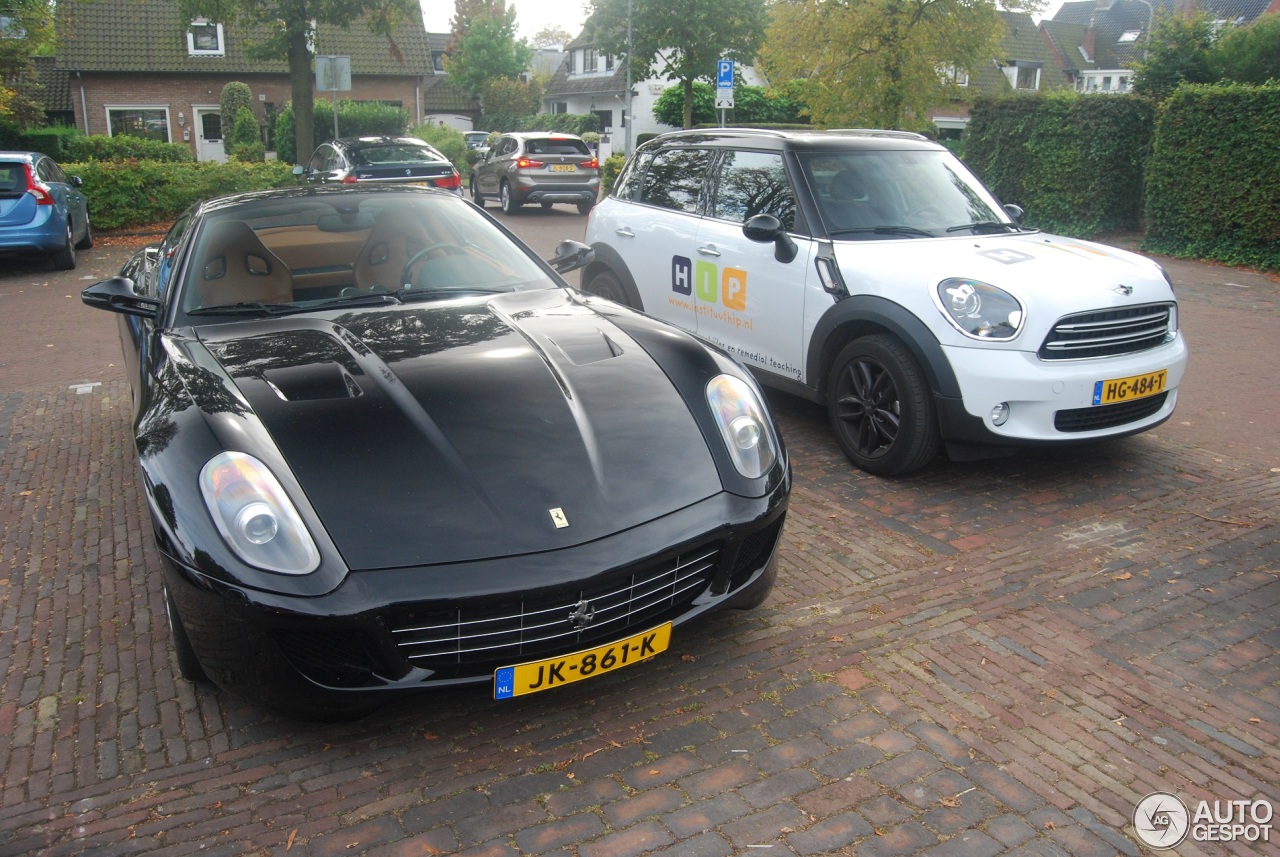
x,y
1016,212
764,229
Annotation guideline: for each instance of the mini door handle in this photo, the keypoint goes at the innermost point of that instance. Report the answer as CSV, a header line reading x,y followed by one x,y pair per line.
x,y
624,232
708,251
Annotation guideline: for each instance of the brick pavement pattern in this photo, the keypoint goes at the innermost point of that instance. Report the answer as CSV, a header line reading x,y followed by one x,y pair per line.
x,y
987,658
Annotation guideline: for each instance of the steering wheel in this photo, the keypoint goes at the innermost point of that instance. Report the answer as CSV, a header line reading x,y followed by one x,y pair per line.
x,y
442,245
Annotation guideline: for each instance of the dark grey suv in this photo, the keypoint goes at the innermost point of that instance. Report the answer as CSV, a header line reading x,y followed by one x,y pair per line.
x,y
537,167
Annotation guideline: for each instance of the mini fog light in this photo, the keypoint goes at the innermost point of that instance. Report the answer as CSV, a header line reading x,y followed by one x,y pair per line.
x,y
1000,413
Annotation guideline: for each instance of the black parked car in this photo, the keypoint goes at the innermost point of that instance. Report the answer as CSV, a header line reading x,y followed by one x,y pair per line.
x,y
386,448
381,160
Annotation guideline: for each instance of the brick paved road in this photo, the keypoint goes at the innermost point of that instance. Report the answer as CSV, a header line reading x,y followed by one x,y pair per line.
x,y
985,659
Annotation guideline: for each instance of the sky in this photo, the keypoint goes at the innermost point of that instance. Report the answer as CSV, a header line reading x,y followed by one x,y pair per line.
x,y
531,15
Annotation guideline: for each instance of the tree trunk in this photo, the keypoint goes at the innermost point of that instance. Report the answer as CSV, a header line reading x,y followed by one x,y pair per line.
x,y
688,102
303,94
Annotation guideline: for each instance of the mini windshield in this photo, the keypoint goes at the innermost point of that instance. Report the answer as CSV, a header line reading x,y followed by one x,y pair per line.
x,y
312,252
878,195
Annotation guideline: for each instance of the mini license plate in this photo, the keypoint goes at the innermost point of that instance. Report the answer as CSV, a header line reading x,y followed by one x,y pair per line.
x,y
563,168
1127,389
589,663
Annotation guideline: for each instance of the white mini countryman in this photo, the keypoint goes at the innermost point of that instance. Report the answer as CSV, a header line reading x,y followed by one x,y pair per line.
x,y
870,271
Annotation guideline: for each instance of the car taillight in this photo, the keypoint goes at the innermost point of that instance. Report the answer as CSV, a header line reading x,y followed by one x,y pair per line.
x,y
449,182
349,178
526,163
38,189
592,164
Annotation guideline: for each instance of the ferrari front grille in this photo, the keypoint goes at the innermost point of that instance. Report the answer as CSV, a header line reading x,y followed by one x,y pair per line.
x,y
484,633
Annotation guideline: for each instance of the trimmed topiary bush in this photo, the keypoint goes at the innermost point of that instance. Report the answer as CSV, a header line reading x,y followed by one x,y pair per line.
x,y
98,147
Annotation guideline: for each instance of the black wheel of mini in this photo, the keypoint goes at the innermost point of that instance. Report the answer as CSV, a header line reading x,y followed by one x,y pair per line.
x,y
880,407
606,285
509,203
476,196
64,258
188,664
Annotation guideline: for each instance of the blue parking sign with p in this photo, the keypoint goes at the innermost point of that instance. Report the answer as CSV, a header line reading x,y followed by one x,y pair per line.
x,y
724,74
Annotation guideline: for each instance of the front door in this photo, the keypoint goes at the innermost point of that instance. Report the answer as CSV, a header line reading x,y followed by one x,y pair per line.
x,y
208,122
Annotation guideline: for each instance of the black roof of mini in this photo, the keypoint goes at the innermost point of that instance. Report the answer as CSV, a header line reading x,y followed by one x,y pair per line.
x,y
771,138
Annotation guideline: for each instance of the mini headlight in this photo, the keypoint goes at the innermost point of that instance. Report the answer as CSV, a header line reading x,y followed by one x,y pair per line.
x,y
743,425
255,516
979,310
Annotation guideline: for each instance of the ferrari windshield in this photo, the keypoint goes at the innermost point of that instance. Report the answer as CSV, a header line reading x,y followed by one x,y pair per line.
x,y
316,251
897,194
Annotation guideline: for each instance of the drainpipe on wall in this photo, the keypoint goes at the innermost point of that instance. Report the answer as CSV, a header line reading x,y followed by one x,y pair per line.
x,y
84,105
417,97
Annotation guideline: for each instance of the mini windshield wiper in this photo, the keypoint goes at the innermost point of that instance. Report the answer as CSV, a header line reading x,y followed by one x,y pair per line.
x,y
246,308
985,225
884,230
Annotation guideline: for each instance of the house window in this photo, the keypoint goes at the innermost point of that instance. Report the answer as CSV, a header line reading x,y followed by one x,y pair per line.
x,y
606,120
437,61
11,29
588,59
559,107
1023,75
573,62
951,74
608,62
205,39
151,123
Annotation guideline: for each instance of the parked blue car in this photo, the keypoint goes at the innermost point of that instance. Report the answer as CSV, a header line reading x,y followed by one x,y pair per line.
x,y
42,209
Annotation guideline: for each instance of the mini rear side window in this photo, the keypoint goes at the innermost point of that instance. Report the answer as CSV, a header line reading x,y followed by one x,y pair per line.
x,y
674,179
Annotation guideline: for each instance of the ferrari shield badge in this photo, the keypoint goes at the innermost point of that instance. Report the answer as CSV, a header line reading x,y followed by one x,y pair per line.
x,y
558,518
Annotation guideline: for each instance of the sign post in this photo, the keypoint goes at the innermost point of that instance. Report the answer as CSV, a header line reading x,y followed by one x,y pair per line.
x,y
724,87
333,74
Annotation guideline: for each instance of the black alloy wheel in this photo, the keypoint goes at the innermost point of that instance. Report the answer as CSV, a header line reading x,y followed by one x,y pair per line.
x,y
880,407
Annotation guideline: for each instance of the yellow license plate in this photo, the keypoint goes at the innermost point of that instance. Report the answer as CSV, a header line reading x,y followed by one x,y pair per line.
x,y
1127,389
534,676
563,168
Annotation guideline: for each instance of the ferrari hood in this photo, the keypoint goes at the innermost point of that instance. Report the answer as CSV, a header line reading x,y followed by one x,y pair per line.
x,y
460,431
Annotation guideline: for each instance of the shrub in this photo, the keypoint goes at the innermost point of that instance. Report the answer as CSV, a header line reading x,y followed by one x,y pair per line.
x,y
564,123
98,147
449,141
244,143
140,192
355,119
609,172
234,96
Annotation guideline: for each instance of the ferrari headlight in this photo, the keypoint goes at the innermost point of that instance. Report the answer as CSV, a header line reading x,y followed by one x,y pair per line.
x,y
743,425
255,516
980,310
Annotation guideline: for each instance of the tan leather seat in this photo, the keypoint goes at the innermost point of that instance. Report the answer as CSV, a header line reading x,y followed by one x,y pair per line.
x,y
235,266
397,234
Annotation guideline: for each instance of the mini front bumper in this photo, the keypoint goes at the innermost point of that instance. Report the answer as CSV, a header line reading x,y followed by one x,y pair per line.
x,y
342,653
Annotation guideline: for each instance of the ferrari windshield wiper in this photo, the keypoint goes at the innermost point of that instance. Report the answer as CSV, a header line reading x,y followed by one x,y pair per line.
x,y
246,308
884,230
429,293
984,225
374,299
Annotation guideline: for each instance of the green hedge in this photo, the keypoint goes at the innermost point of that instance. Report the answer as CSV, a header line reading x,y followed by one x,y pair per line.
x,y
51,141
1213,184
124,194
1074,162
355,119
564,123
99,147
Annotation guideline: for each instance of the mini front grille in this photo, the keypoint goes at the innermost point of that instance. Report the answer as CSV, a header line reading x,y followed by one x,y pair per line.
x,y
486,632
1108,332
1108,416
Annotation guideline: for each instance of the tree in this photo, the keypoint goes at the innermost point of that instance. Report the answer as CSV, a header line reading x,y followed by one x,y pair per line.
x,y
879,63
680,39
26,28
483,46
1178,49
289,30
513,97
1250,54
550,36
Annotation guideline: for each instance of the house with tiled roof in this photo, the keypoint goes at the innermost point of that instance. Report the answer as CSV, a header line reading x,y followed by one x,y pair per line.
x,y
1024,62
1098,43
49,87
137,67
